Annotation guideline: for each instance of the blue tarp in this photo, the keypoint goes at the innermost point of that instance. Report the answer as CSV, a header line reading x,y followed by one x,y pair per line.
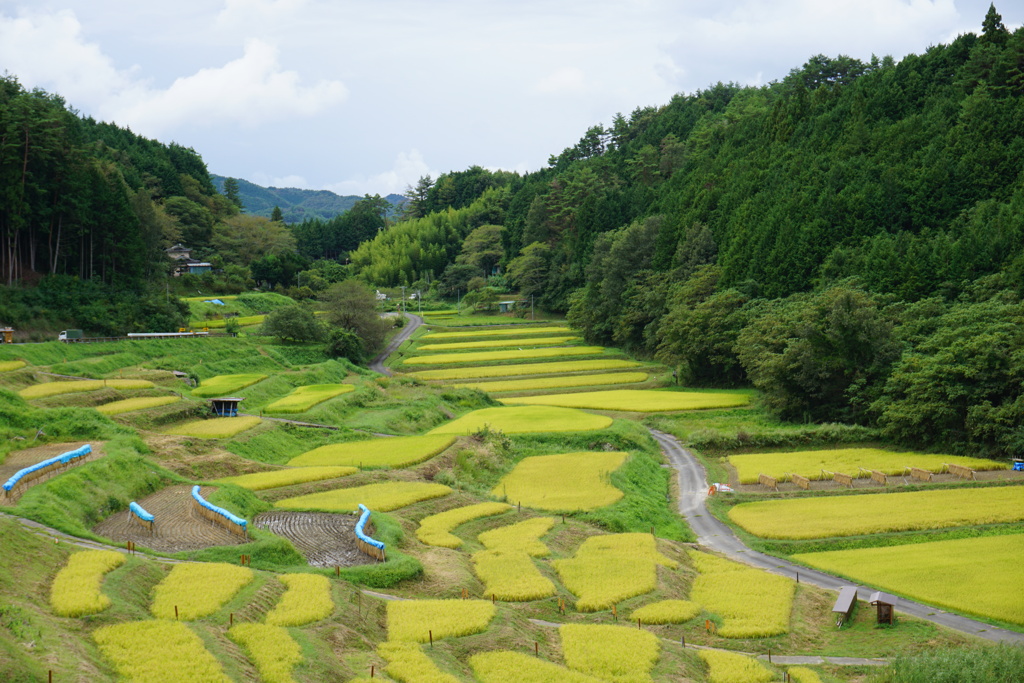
x,y
64,458
139,512
213,508
215,301
363,519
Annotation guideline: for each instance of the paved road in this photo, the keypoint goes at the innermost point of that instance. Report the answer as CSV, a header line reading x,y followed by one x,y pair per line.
x,y
693,488
414,321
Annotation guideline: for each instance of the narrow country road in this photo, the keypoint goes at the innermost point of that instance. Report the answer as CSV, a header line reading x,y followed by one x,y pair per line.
x,y
693,488
413,321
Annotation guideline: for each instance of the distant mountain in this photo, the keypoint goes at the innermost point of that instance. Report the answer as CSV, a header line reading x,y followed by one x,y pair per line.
x,y
296,205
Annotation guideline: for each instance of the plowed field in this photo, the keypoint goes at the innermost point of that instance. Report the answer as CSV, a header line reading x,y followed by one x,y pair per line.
x,y
178,527
326,539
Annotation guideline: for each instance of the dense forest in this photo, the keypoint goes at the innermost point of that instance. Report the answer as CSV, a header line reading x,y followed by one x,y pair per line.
x,y
849,240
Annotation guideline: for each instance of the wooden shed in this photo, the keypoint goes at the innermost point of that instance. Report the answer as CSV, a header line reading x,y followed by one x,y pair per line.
x,y
885,604
6,335
844,604
225,406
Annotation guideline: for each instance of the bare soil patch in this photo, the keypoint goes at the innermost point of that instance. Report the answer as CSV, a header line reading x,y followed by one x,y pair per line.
x,y
178,527
325,539
18,460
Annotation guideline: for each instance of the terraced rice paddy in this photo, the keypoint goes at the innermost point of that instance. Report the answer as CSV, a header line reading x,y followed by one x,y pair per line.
x,y
552,368
414,620
729,667
524,419
286,477
401,451
76,588
540,481
495,343
158,651
851,461
242,320
609,569
436,529
129,404
752,602
821,517
494,667
307,599
271,649
378,497
524,536
511,576
197,589
215,428
612,653
408,662
635,400
10,365
667,612
498,356
47,389
222,385
304,398
503,332
566,382
978,576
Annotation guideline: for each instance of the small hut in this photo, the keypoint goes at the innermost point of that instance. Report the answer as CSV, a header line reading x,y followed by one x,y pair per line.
x,y
885,604
225,406
6,335
844,604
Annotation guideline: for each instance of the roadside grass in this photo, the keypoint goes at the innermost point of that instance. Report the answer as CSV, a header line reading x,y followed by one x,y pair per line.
x,y
304,398
560,368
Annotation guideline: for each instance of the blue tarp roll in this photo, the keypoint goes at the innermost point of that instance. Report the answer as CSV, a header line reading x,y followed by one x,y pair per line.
x,y
63,458
213,508
363,518
139,512
215,301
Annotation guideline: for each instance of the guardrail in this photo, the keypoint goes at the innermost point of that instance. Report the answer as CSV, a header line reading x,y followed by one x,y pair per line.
x,y
22,478
368,545
141,517
219,516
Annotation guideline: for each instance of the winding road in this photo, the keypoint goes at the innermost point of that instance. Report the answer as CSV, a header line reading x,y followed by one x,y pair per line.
x,y
412,322
714,534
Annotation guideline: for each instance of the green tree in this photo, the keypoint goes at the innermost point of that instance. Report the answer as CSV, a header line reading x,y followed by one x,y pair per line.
x,y
343,343
529,270
293,323
276,216
231,192
352,306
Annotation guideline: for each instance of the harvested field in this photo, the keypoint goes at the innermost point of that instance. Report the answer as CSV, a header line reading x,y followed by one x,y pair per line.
x,y
325,539
178,527
19,460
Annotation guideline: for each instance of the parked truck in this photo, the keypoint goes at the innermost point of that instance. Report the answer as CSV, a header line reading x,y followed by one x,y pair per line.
x,y
67,335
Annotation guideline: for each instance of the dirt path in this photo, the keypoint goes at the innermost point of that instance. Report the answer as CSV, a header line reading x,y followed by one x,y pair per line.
x,y
326,540
177,526
711,532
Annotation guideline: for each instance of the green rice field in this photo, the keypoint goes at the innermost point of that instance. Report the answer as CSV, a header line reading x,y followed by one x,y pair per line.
x,y
495,343
552,368
286,477
635,400
494,356
505,332
520,419
378,497
129,404
304,398
222,385
565,382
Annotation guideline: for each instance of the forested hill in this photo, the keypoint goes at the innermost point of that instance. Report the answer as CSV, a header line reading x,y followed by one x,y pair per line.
x,y
849,239
296,204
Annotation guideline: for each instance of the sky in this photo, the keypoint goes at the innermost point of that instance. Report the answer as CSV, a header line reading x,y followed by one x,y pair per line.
x,y
367,96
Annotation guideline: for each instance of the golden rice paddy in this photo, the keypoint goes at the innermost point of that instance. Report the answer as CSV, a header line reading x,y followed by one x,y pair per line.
x,y
503,332
540,481
197,589
401,451
307,599
494,667
821,517
852,461
408,662
552,368
565,382
612,653
304,398
524,536
416,620
47,389
495,343
378,497
215,427
729,667
635,400
76,588
158,651
9,365
524,419
752,602
221,385
494,356
511,576
436,529
129,404
286,477
271,649
980,576
609,569
667,612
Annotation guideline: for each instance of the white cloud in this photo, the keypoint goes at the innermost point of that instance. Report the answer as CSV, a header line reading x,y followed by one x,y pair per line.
x,y
409,167
250,90
568,79
258,12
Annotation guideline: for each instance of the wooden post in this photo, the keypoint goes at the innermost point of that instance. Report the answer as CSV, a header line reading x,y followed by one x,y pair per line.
x,y
232,617
769,655
798,577
536,648
175,612
337,571
371,671
615,612
638,623
431,634
682,641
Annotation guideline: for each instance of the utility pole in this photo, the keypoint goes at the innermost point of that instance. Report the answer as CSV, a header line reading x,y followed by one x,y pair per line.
x,y
419,300
403,299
